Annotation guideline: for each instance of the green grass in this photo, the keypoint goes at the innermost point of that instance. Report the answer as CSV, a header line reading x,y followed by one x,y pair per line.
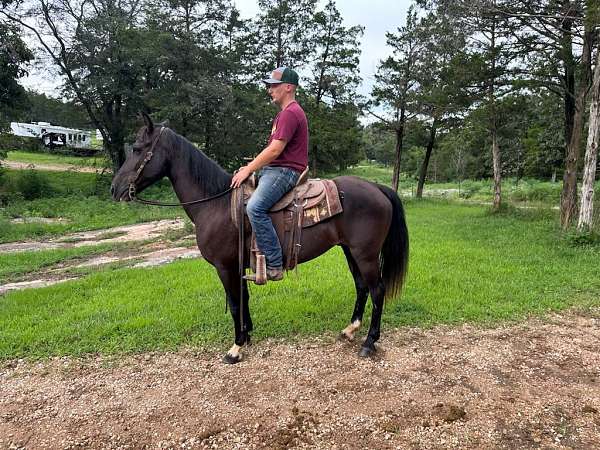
x,y
82,214
49,158
373,172
524,190
83,199
14,265
466,266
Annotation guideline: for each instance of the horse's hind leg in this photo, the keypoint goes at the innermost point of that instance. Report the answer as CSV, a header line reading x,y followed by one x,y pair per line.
x,y
362,293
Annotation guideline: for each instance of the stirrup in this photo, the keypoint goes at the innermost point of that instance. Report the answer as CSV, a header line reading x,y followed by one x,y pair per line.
x,y
260,277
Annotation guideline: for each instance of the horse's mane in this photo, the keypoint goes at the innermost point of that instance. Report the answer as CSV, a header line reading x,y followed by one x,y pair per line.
x,y
211,177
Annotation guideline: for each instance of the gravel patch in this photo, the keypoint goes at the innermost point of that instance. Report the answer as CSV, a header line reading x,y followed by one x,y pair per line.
x,y
531,385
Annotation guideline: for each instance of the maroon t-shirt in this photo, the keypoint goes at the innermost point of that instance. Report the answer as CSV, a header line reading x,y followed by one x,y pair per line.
x,y
290,125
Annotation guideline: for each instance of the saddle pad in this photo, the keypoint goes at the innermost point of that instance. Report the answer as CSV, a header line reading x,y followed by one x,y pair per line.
x,y
323,206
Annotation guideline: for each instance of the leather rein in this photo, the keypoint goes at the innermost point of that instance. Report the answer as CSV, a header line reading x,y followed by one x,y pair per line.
x,y
147,158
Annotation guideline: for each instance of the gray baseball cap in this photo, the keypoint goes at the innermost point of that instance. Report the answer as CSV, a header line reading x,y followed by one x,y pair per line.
x,y
282,75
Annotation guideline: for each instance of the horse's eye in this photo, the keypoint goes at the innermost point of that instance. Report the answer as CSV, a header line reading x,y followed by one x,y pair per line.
x,y
137,148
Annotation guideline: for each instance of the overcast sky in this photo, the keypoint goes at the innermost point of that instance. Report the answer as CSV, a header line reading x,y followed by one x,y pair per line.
x,y
377,16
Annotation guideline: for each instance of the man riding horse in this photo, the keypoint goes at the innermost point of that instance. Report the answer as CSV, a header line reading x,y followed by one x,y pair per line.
x,y
282,162
370,229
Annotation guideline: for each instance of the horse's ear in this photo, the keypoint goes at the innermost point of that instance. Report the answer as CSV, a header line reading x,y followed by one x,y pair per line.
x,y
148,122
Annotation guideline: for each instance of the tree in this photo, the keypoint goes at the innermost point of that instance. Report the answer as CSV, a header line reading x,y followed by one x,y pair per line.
x,y
203,50
56,111
102,53
14,55
441,74
555,40
332,88
591,154
394,80
378,144
283,33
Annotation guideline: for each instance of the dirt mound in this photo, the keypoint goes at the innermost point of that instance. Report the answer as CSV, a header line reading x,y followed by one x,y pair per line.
x,y
533,385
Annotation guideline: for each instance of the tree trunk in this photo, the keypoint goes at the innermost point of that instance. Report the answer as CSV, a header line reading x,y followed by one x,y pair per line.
x,y
398,156
568,60
114,145
279,50
115,148
568,197
314,153
497,169
591,156
425,165
497,166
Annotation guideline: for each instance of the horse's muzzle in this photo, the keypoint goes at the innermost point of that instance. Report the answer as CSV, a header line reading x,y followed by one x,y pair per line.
x,y
119,194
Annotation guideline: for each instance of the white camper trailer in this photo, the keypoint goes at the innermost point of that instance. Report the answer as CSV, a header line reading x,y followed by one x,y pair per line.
x,y
53,135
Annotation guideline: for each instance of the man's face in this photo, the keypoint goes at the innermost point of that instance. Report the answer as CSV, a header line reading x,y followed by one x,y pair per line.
x,y
277,92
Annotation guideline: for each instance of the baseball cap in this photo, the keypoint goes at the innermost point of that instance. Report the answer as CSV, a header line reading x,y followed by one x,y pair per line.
x,y
282,75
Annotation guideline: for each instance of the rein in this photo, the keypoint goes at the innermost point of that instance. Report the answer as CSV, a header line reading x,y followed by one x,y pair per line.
x,y
147,158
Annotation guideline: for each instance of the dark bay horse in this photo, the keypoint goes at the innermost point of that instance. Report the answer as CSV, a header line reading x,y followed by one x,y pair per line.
x,y
371,230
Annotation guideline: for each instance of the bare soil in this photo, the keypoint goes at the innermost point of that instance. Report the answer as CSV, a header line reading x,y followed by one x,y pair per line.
x,y
52,167
159,251
531,385
126,233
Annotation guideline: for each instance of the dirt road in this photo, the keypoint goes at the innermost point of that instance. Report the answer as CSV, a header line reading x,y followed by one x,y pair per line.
x,y
16,165
533,385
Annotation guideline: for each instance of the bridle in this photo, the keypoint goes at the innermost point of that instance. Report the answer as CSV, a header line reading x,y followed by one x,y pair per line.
x,y
147,158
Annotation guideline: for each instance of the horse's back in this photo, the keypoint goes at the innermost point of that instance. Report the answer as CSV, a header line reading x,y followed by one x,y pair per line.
x,y
363,196
364,222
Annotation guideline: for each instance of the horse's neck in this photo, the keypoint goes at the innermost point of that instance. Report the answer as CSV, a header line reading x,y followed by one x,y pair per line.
x,y
188,190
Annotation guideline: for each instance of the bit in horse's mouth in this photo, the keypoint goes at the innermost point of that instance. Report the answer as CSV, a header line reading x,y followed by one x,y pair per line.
x,y
122,196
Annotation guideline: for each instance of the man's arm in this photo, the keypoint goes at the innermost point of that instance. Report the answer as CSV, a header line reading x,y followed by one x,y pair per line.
x,y
272,151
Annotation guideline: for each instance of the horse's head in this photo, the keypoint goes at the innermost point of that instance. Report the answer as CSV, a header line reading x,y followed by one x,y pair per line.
x,y
145,165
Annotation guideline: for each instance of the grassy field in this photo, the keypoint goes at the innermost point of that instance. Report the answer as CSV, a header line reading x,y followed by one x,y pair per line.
x,y
83,199
515,191
16,264
48,158
465,266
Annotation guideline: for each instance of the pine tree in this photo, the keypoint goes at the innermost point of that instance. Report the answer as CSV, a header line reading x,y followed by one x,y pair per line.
x,y
395,79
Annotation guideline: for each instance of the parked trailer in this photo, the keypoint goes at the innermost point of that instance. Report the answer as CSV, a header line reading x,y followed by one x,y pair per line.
x,y
53,135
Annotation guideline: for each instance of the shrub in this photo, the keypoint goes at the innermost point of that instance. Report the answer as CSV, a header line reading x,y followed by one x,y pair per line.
x,y
10,142
32,185
536,192
583,239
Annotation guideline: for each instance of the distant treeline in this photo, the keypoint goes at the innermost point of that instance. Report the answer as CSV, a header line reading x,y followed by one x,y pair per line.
x,y
471,88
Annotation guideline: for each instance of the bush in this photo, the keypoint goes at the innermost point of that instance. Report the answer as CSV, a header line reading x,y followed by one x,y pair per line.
x,y
536,192
33,185
583,239
10,142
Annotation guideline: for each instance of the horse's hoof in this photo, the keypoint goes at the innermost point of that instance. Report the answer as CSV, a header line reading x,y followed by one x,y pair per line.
x,y
229,359
365,352
344,337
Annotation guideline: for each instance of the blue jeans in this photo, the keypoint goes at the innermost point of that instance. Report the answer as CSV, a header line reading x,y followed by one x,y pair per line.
x,y
273,184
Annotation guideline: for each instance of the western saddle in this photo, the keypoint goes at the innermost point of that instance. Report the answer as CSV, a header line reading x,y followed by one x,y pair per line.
x,y
311,201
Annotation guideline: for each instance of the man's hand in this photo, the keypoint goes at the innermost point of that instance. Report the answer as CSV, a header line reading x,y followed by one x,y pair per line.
x,y
240,176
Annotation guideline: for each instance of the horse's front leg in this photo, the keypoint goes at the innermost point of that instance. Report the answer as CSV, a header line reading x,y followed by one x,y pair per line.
x,y
242,321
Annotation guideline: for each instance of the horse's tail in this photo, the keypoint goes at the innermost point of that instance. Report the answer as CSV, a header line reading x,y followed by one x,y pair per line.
x,y
394,253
